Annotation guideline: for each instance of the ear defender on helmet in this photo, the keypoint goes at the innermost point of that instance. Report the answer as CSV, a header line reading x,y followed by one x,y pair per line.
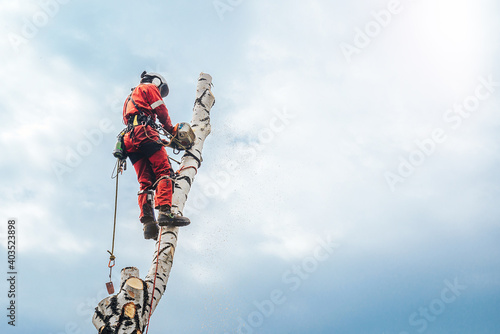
x,y
164,89
156,80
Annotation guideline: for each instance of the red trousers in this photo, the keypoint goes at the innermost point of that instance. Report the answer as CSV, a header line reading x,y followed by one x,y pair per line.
x,y
150,161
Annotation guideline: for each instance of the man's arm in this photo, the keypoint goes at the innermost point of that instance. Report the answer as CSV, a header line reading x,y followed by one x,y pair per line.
x,y
164,118
156,102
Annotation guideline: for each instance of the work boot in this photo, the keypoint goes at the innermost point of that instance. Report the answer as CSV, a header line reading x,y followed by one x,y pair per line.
x,y
167,218
151,230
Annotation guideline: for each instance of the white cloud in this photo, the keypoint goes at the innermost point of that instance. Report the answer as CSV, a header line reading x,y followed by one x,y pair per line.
x,y
283,183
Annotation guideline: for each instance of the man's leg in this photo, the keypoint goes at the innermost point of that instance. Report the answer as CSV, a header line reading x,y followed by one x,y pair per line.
x,y
145,176
161,168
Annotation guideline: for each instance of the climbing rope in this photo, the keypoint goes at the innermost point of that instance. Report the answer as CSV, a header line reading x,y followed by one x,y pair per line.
x,y
154,281
120,166
178,162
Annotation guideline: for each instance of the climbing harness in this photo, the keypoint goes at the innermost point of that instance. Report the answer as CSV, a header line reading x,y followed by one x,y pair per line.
x,y
154,280
141,118
182,139
120,166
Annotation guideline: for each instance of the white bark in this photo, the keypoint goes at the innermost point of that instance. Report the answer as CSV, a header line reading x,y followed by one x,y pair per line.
x,y
123,312
128,311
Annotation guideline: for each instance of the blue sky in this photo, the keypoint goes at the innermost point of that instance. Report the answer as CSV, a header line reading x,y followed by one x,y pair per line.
x,y
350,183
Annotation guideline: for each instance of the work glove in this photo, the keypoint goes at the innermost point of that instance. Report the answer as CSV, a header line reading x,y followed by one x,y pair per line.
x,y
174,131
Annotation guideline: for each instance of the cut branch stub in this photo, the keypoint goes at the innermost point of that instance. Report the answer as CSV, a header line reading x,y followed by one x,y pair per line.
x,y
123,312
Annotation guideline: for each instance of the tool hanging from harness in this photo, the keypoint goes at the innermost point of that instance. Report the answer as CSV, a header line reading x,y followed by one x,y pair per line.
x,y
119,151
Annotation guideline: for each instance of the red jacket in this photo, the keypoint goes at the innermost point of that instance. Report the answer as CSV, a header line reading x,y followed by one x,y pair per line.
x,y
147,97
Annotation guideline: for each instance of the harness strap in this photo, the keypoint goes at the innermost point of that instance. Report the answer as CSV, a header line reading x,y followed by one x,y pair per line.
x,y
147,190
140,118
130,98
161,178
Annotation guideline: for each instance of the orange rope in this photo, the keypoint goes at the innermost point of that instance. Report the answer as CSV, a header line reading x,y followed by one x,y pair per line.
x,y
154,281
147,135
186,167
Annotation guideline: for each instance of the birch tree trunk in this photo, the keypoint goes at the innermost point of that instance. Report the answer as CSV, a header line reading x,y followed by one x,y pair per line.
x,y
128,311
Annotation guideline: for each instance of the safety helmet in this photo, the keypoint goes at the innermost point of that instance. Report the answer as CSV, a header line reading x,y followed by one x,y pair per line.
x,y
157,80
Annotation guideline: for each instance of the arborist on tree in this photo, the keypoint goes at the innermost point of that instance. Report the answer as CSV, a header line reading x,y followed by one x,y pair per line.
x,y
147,152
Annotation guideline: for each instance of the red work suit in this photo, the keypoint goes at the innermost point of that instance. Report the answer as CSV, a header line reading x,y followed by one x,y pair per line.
x,y
144,148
